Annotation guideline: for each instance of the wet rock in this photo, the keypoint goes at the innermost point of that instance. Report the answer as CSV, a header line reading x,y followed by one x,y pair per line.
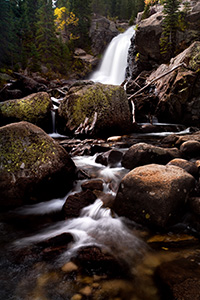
x,y
33,167
143,154
188,166
93,260
111,158
154,195
95,184
179,279
35,108
69,267
60,240
74,203
95,110
190,149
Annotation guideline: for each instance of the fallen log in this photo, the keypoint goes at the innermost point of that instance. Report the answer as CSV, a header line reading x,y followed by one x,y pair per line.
x,y
157,78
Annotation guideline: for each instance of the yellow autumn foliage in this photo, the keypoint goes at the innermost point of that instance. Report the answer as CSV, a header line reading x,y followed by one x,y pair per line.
x,y
64,19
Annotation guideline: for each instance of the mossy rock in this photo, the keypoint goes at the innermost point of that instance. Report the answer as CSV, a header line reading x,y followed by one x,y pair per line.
x,y
109,102
33,167
35,108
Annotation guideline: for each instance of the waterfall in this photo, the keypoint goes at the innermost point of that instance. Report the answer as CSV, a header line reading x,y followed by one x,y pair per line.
x,y
113,66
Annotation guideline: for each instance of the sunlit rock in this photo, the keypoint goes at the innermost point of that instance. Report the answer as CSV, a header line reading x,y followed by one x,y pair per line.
x,y
154,195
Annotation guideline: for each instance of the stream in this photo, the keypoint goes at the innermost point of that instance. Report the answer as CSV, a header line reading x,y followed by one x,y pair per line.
x,y
29,272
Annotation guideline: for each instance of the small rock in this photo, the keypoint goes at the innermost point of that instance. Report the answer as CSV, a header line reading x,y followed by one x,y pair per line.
x,y
87,291
69,267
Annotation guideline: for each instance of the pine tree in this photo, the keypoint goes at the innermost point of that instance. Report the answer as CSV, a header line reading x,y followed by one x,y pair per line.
x,y
46,40
82,10
4,33
28,28
170,26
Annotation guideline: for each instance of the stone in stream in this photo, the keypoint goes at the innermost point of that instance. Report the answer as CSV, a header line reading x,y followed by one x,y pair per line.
x,y
142,154
154,195
74,203
110,158
33,167
93,260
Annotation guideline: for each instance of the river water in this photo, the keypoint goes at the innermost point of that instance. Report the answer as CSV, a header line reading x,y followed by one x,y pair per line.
x,y
31,273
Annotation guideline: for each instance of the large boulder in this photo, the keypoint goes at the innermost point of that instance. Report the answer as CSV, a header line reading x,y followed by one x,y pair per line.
x,y
33,167
142,154
178,92
35,108
95,109
153,195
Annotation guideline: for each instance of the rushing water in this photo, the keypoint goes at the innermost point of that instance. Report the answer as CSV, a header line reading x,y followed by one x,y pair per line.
x,y
113,66
27,274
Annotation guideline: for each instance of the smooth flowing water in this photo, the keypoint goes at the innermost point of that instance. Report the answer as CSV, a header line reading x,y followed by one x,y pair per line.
x,y
113,66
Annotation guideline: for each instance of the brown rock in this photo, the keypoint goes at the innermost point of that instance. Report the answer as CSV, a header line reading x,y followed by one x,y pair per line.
x,y
188,166
76,202
153,195
142,154
33,167
95,184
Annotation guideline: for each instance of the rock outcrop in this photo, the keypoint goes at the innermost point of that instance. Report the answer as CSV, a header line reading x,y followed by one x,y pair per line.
x,y
101,33
154,195
33,167
146,54
95,109
178,92
35,108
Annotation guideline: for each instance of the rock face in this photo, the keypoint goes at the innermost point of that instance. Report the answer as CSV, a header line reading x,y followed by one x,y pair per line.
x,y
147,40
142,154
101,33
146,54
35,108
178,92
33,167
95,109
153,194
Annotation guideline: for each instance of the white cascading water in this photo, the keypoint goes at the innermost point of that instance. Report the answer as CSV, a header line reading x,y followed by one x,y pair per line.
x,y
113,67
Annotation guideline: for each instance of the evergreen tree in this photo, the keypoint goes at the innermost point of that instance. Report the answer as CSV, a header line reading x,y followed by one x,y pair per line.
x,y
82,10
28,28
170,26
4,33
46,40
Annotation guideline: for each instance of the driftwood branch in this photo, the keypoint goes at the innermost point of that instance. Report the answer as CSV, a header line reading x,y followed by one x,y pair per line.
x,y
157,78
85,127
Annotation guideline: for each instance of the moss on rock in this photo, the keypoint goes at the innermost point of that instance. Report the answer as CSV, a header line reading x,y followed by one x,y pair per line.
x,y
32,165
108,101
35,108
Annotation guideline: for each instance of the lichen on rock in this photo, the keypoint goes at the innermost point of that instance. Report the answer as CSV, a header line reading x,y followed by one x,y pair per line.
x,y
108,101
35,108
33,167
